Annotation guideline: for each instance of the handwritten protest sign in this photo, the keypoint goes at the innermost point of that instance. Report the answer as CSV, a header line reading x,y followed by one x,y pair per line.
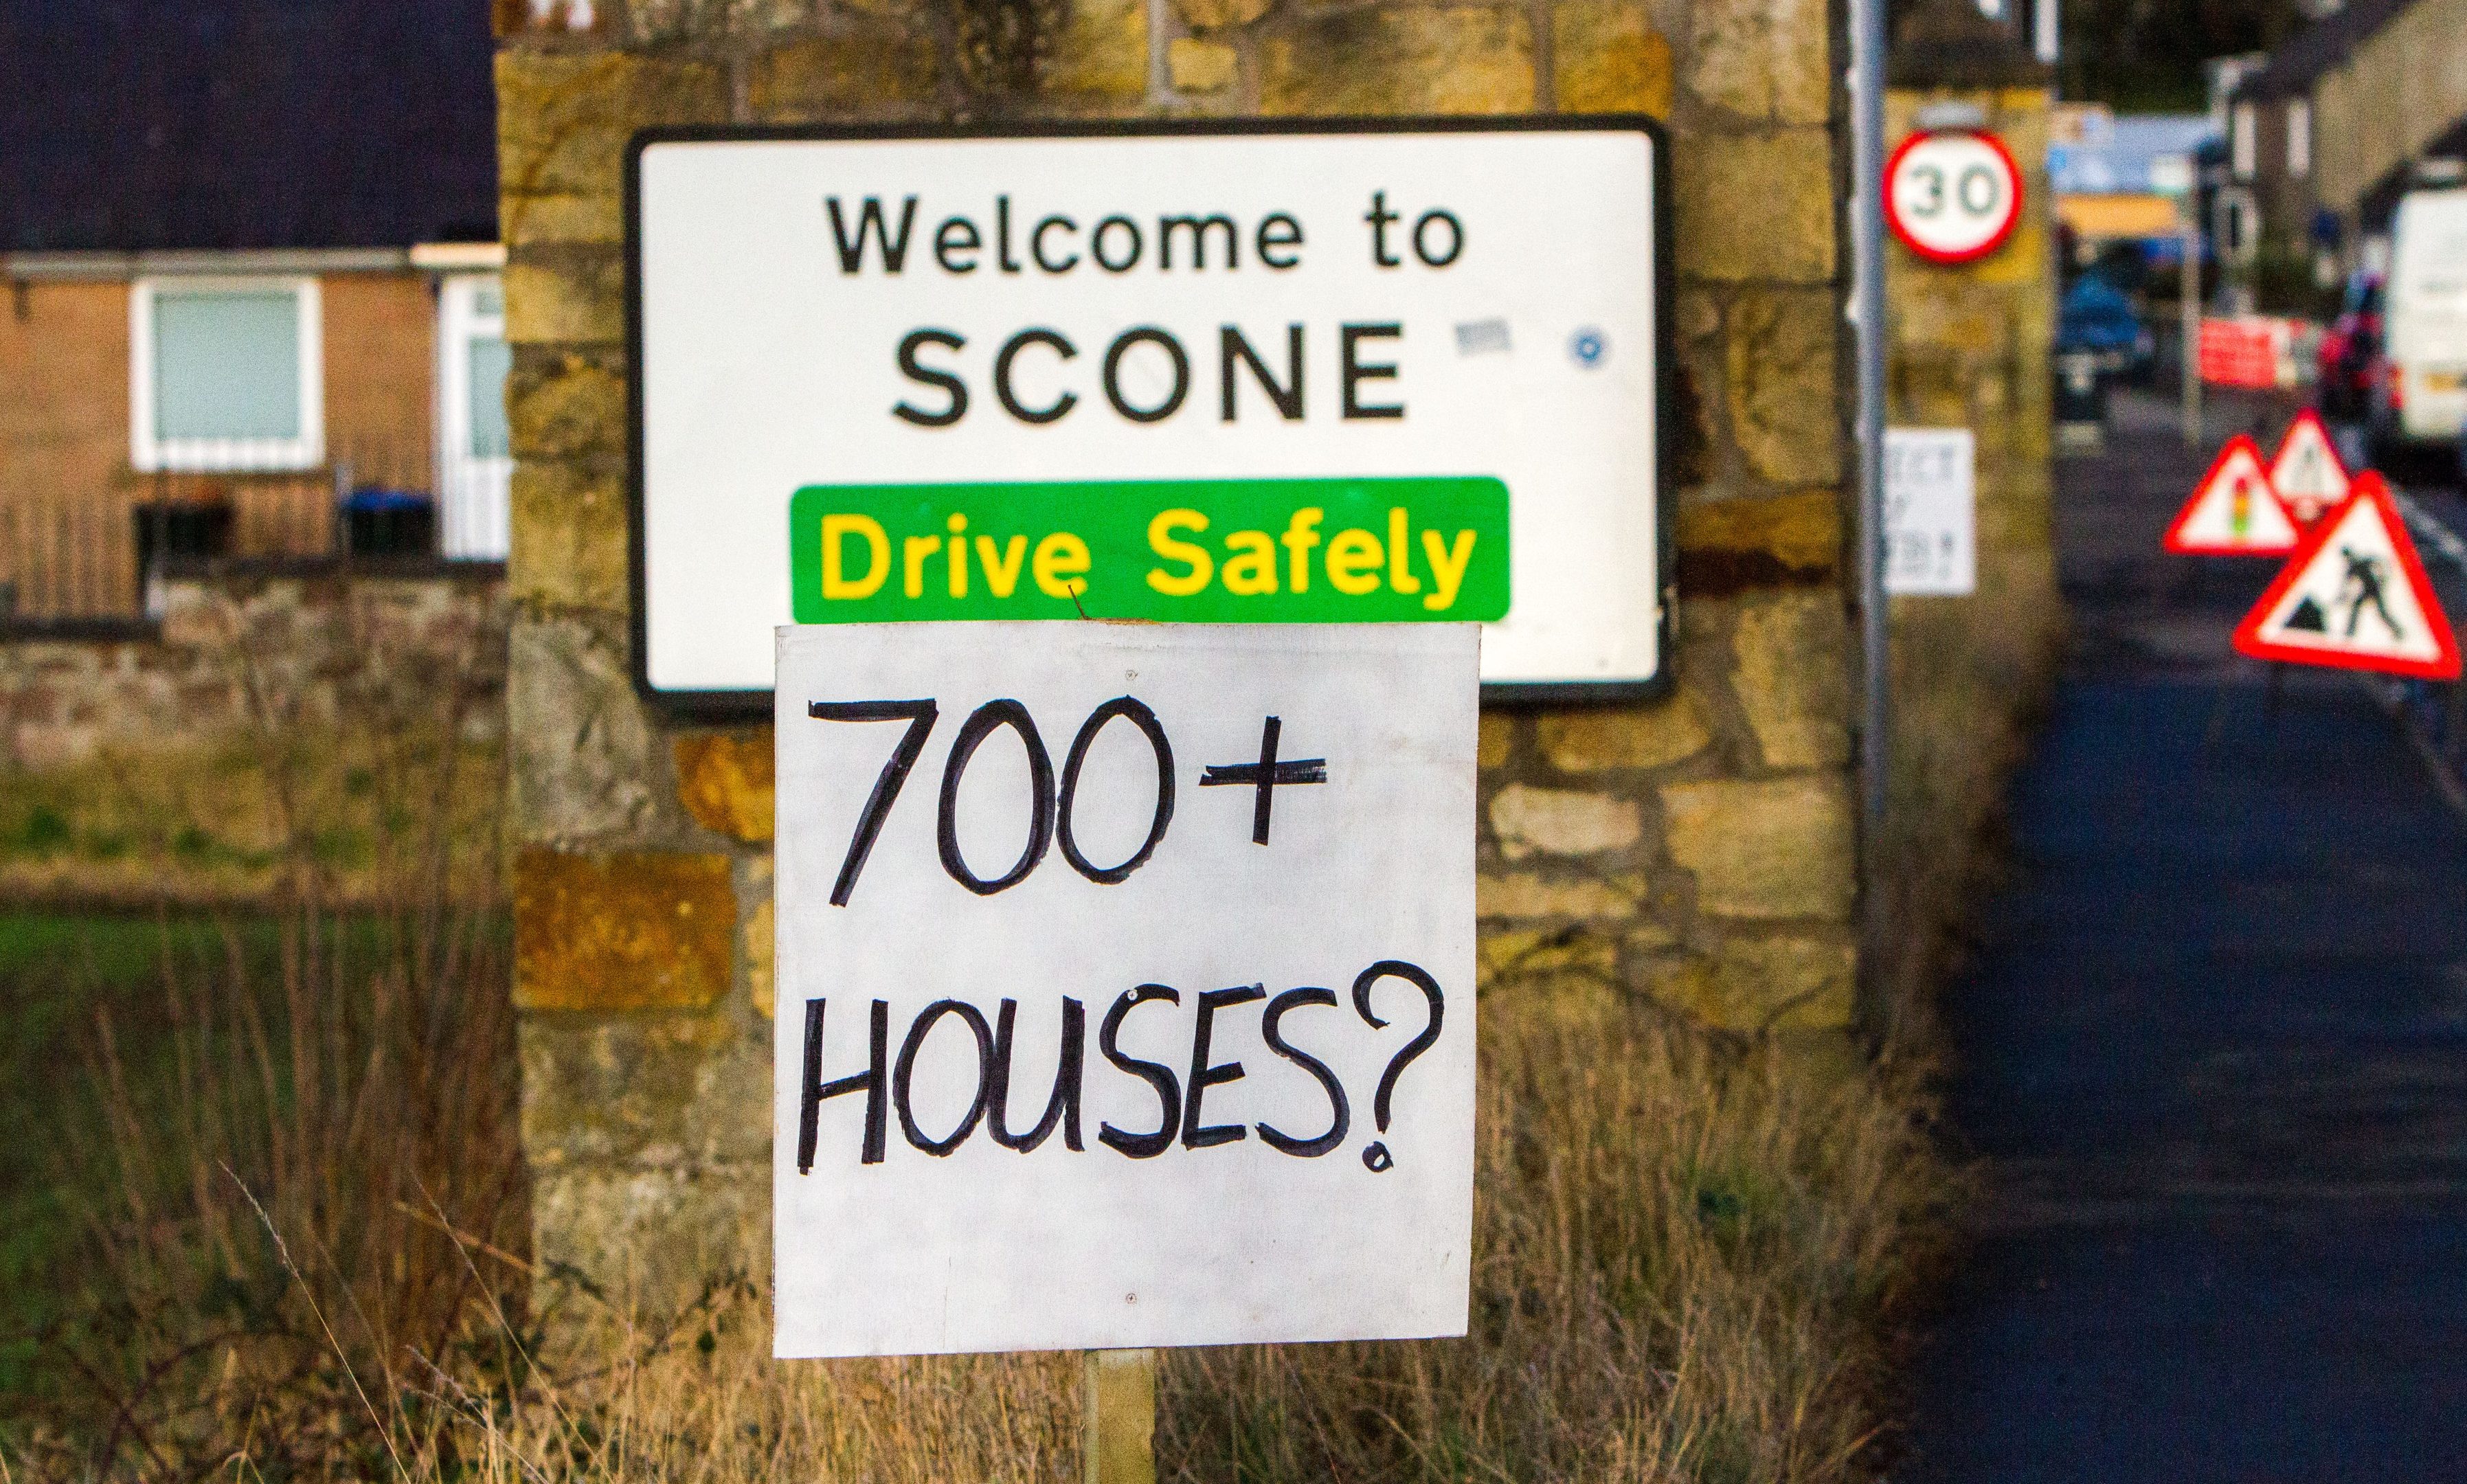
x,y
1126,984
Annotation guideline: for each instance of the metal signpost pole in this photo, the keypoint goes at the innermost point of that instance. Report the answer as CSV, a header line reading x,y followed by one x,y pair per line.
x,y
1867,314
2189,317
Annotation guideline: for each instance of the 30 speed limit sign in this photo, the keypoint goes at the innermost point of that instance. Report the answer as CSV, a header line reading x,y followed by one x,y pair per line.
x,y
1953,196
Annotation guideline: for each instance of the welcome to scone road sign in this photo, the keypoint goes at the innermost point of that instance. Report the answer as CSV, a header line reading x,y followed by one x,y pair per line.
x,y
1213,373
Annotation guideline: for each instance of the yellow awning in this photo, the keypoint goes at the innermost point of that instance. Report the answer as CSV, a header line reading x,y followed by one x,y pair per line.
x,y
2100,216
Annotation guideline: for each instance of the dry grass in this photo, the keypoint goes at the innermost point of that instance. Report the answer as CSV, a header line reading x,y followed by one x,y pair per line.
x,y
1687,1253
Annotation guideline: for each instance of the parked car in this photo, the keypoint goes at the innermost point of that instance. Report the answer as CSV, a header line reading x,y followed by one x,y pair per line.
x,y
2420,390
2344,362
2096,318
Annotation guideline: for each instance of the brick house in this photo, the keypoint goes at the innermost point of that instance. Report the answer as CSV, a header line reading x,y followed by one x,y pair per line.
x,y
251,261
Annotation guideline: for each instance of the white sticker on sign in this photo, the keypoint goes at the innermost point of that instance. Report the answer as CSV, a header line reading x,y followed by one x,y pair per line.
x,y
1930,512
1126,984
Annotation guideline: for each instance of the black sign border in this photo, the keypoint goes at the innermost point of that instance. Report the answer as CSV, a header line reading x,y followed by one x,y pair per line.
x,y
740,706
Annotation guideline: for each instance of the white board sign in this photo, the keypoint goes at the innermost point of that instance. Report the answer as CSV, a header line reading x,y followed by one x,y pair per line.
x,y
1126,984
1300,373
1930,512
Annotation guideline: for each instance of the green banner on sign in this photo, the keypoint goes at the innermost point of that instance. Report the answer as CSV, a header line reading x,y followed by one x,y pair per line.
x,y
1197,551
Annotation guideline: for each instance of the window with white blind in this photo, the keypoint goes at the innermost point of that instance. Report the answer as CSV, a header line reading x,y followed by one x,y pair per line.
x,y
2299,138
2243,147
225,375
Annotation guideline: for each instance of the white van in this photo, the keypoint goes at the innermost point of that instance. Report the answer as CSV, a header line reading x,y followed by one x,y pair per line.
x,y
2421,396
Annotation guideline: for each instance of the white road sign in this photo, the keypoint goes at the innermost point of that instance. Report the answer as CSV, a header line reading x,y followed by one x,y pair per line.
x,y
1126,984
2306,471
1930,512
1953,196
1204,373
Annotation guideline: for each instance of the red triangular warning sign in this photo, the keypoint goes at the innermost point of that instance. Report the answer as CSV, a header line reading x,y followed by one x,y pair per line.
x,y
2306,471
2233,512
2355,595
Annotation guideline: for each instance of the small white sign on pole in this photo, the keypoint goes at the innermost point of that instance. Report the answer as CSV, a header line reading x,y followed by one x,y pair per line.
x,y
1126,984
1930,512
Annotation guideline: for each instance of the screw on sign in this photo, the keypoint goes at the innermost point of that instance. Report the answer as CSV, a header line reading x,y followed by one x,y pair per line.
x,y
1953,196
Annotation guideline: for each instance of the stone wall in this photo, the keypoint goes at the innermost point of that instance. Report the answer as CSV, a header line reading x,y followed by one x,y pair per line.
x,y
267,720
1969,346
1700,849
236,635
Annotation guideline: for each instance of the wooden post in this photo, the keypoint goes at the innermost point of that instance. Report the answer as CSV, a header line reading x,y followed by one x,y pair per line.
x,y
1119,1438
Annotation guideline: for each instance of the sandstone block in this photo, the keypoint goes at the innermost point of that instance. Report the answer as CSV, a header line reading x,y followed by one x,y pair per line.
x,y
627,930
1761,985
1516,958
1444,59
1498,739
724,780
1617,737
563,117
1755,206
665,1090
1764,849
757,941
1200,66
1793,678
653,22
1762,58
653,1234
596,221
1799,533
579,296
867,69
564,406
1102,50
1779,373
578,747
570,538
1213,14
1529,894
1607,57
1535,821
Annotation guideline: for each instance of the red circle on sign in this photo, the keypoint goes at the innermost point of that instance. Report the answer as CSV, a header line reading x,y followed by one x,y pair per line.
x,y
2010,217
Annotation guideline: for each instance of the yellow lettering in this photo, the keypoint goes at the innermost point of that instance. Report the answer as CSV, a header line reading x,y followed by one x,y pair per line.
x,y
1400,551
958,554
1002,572
915,552
837,586
1447,568
1059,560
1250,571
1352,556
1298,539
1160,541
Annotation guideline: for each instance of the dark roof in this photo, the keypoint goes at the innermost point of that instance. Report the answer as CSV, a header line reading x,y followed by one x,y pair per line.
x,y
140,126
2301,60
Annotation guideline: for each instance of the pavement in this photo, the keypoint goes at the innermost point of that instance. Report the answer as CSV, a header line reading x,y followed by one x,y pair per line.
x,y
2212,1050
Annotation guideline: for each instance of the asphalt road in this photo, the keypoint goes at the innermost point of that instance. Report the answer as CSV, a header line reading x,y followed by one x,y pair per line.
x,y
2213,1050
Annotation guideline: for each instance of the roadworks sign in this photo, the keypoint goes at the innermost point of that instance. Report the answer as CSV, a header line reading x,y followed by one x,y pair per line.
x,y
2306,471
2234,511
2354,595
